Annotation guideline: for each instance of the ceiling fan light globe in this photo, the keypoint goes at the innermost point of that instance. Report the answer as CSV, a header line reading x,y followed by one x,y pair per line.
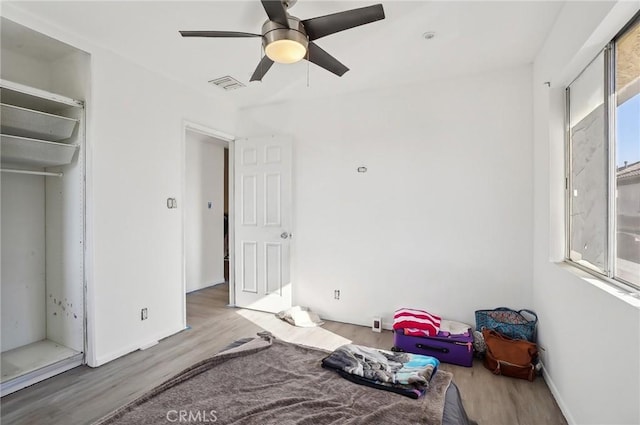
x,y
285,51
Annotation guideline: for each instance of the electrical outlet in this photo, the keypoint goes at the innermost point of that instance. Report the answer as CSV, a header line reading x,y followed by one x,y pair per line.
x,y
143,314
336,294
376,324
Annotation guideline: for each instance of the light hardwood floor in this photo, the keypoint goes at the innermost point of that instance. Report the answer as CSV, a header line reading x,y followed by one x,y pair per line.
x,y
83,395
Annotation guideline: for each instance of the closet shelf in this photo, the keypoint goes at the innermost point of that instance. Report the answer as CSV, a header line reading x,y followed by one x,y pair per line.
x,y
13,93
22,122
34,152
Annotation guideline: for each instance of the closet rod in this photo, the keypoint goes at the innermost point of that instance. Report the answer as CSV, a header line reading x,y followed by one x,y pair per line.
x,y
35,173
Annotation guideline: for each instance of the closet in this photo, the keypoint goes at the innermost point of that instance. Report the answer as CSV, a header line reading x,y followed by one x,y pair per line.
x,y
43,83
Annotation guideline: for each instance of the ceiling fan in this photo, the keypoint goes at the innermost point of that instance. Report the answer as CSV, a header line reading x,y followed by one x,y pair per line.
x,y
287,39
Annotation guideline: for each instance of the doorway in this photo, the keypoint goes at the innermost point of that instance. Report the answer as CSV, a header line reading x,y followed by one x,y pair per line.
x,y
207,215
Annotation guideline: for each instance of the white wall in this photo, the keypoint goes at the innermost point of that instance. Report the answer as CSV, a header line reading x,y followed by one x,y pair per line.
x,y
442,220
134,142
591,333
23,260
204,231
134,149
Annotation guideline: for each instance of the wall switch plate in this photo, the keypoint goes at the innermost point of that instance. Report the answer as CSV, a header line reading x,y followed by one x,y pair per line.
x,y
144,314
336,294
376,324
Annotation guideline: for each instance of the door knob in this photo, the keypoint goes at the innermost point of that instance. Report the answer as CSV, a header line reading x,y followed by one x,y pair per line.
x,y
285,235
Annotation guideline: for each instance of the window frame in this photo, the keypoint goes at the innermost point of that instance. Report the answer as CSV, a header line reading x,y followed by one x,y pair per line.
x,y
609,273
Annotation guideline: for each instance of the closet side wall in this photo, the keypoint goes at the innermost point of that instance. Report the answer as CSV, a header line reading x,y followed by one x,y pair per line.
x,y
70,75
23,260
25,69
204,225
65,215
64,247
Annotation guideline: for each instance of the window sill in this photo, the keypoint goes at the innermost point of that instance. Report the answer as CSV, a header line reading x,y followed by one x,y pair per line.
x,y
627,295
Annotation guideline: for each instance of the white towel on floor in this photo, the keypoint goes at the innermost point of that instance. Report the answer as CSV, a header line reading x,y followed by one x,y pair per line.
x,y
302,317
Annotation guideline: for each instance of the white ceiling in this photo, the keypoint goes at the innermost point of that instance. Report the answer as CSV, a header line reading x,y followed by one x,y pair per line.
x,y
471,37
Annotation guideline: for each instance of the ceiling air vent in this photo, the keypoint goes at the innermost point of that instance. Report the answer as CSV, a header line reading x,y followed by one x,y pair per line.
x,y
227,83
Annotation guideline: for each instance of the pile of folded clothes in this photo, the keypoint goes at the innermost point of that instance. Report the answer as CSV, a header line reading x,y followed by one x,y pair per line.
x,y
402,373
416,322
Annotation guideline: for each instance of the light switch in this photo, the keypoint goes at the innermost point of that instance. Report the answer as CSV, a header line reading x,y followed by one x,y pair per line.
x,y
209,204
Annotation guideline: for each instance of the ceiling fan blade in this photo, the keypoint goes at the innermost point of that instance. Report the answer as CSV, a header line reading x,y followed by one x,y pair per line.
x,y
261,69
323,59
330,24
225,34
275,11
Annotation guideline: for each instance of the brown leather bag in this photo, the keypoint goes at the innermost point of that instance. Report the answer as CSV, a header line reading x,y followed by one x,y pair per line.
x,y
510,357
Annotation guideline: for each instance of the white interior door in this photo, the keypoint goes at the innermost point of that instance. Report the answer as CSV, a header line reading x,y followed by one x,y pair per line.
x,y
263,223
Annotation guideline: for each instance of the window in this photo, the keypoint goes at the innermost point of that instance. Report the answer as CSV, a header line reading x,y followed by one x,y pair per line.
x,y
603,161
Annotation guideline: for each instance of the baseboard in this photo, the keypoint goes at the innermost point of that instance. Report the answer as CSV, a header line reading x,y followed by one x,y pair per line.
x,y
134,347
148,345
387,326
556,394
104,359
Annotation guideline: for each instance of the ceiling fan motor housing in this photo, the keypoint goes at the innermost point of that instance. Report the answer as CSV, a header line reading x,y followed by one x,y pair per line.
x,y
274,33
